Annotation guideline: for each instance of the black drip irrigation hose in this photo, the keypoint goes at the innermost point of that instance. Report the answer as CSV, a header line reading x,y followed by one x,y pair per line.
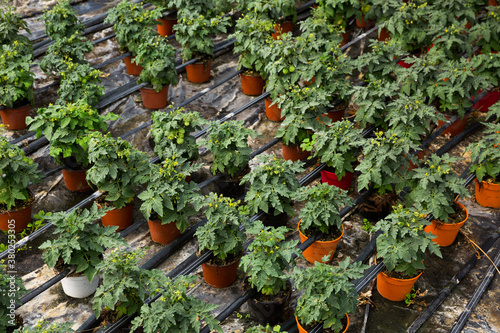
x,y
452,284
478,293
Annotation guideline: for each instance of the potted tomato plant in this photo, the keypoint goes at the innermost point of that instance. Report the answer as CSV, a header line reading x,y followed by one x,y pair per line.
x,y
15,198
302,109
385,166
65,127
273,182
62,21
268,257
10,24
16,85
328,295
435,187
175,310
117,168
250,34
72,49
194,32
402,244
165,23
131,23
169,199
120,268
81,244
338,147
174,130
321,214
228,142
485,155
282,13
222,235
80,81
157,57
11,288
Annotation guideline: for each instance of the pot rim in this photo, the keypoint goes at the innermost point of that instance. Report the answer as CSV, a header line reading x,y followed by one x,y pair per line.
x,y
486,184
28,203
396,279
345,330
439,224
323,242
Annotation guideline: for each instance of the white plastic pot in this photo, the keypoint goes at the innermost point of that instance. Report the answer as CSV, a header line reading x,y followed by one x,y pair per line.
x,y
79,286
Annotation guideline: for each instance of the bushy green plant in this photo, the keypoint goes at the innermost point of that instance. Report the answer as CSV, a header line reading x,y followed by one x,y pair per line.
x,y
10,24
11,290
273,183
132,22
386,160
169,197
328,293
435,187
43,326
222,234
337,146
379,63
268,258
341,10
65,126
274,10
486,34
67,49
80,81
81,242
16,79
485,154
194,32
228,143
203,7
250,34
175,310
17,171
118,167
158,59
301,108
61,21
321,211
403,241
173,130
124,282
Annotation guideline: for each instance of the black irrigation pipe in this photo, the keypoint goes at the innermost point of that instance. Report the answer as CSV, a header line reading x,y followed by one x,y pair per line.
x,y
476,297
452,284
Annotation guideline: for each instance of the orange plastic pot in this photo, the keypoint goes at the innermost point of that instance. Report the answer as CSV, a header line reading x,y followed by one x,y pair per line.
x,y
487,194
282,28
420,155
383,35
492,3
361,23
345,39
15,119
446,232
154,100
16,219
273,112
132,68
122,218
335,116
394,289
487,101
199,72
294,153
317,250
220,276
252,85
163,233
166,28
455,128
302,330
75,180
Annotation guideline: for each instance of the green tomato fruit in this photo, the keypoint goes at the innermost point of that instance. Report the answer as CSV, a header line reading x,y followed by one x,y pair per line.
x,y
180,141
186,123
291,69
285,71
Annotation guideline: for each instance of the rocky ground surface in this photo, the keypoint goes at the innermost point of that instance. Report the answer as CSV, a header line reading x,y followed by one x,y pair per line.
x,y
384,315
